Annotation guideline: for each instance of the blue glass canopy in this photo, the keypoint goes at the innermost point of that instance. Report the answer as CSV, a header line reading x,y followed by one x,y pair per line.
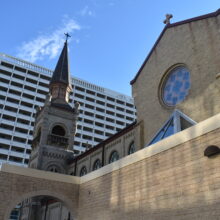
x,y
178,121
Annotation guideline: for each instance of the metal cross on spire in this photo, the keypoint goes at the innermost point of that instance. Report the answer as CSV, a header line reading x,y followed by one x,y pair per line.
x,y
67,36
168,17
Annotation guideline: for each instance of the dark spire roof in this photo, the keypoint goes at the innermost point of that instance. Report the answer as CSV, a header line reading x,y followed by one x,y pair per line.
x,y
61,72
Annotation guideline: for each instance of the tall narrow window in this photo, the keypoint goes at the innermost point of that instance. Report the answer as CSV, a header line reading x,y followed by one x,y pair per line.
x,y
113,157
83,171
131,148
97,164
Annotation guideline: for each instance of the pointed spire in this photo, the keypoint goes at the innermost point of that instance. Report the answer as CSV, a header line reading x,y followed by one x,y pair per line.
x,y
60,83
61,72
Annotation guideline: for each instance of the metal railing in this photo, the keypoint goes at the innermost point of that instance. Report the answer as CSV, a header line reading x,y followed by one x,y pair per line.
x,y
57,140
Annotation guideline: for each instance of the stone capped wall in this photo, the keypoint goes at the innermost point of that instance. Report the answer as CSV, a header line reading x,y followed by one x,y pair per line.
x,y
176,184
19,183
170,180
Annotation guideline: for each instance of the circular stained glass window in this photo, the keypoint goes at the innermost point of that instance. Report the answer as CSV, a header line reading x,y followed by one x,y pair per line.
x,y
176,86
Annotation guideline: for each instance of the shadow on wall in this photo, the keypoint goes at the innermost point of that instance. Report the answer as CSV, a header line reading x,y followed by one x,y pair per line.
x,y
42,207
179,183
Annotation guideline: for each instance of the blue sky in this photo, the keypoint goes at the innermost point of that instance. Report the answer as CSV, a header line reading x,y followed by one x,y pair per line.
x,y
110,38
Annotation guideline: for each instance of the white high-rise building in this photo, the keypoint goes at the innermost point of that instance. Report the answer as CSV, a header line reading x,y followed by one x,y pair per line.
x,y
23,87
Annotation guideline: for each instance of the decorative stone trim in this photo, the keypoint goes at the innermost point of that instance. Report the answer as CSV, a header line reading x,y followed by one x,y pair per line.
x,y
54,155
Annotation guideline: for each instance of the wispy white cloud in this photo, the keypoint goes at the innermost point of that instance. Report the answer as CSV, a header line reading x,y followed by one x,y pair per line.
x,y
86,11
47,45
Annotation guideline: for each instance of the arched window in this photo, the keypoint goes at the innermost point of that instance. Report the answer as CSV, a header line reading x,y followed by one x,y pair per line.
x,y
131,148
113,157
58,130
97,164
83,171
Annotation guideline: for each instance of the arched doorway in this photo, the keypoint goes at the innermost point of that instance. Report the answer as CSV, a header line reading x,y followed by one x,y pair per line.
x,y
40,206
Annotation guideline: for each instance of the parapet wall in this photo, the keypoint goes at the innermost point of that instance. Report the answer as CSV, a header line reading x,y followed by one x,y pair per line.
x,y
171,179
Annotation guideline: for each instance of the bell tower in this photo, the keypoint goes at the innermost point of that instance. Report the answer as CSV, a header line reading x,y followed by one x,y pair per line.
x,y
55,122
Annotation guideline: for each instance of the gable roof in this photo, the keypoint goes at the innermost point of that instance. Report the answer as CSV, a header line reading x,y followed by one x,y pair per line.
x,y
210,15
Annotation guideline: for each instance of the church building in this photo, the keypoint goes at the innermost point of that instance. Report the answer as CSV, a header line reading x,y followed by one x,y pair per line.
x,y
163,166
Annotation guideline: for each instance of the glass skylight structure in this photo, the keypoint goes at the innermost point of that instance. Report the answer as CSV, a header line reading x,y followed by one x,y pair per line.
x,y
178,121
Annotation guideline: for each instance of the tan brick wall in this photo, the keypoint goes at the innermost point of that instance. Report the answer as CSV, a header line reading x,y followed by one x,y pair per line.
x,y
177,184
195,44
14,188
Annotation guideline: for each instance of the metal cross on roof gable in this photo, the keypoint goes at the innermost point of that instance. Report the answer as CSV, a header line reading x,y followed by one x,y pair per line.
x,y
168,17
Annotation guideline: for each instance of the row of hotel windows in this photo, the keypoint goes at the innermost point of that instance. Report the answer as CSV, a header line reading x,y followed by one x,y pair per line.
x,y
25,131
8,65
35,82
28,113
17,102
13,158
16,129
23,95
15,110
29,105
104,110
20,85
99,124
32,97
15,138
113,157
37,75
15,148
30,132
18,120
108,98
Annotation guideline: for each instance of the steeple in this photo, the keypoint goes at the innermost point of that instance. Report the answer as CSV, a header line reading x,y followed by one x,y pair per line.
x,y
60,84
55,124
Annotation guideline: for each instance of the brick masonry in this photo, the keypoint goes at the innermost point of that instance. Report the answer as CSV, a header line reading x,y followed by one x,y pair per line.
x,y
179,184
14,188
